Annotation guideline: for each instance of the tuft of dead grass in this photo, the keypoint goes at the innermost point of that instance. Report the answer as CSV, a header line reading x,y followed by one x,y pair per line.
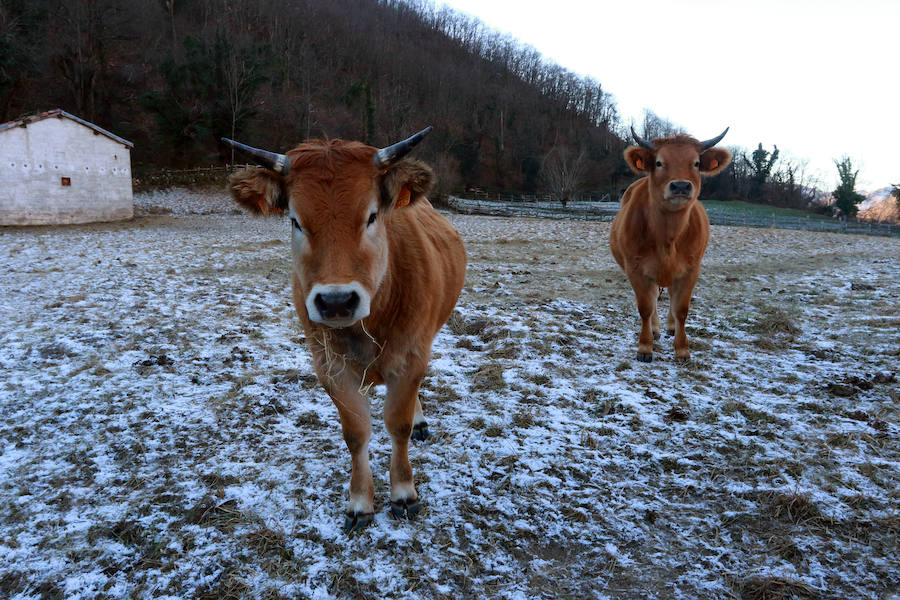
x,y
523,420
775,588
773,321
677,414
796,507
218,482
227,586
459,325
488,377
128,533
211,513
271,547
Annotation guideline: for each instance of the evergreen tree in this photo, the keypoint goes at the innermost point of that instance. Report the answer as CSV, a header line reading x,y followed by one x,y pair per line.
x,y
761,169
207,94
845,195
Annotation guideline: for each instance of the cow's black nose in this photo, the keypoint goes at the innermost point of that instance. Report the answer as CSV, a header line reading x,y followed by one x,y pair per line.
x,y
337,305
680,188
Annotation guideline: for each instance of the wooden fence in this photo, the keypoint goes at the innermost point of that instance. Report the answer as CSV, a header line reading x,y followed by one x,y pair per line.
x,y
530,206
166,178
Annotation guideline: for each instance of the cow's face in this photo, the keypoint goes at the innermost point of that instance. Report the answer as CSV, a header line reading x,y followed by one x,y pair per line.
x,y
339,205
674,166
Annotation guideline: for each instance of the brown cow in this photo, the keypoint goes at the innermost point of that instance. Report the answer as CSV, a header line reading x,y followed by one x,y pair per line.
x,y
659,235
376,273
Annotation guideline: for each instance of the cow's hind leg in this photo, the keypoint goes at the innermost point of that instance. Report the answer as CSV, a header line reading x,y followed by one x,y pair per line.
x,y
399,412
654,324
420,431
670,320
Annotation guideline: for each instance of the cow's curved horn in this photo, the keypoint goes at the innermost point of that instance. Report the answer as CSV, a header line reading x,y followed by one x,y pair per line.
x,y
277,162
704,146
641,141
387,156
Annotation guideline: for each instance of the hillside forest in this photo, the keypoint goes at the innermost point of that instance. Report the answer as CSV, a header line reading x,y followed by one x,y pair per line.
x,y
174,76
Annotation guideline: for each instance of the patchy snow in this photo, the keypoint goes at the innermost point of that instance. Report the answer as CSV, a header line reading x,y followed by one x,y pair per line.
x,y
162,434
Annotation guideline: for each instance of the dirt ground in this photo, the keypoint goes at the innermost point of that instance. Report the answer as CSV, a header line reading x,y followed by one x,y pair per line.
x,y
162,434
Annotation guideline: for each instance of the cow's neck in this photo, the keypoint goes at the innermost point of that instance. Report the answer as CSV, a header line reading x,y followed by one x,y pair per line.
x,y
348,344
387,301
667,226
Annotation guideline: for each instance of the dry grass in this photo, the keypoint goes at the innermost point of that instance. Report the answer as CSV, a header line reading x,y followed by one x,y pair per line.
x,y
773,321
775,588
488,377
210,512
795,507
170,405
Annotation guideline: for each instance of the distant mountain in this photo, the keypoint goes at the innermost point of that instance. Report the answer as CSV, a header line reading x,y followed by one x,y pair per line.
x,y
880,206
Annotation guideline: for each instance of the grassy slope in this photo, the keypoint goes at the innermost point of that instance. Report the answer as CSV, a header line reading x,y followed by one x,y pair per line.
x,y
759,209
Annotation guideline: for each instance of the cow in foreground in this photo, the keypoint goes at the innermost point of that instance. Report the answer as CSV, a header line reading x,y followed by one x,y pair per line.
x,y
376,273
660,234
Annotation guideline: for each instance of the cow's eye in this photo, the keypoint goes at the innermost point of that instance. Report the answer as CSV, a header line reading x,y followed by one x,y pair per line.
x,y
296,224
659,164
372,218
697,165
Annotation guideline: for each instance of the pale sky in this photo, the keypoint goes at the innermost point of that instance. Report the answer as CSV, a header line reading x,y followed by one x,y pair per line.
x,y
819,78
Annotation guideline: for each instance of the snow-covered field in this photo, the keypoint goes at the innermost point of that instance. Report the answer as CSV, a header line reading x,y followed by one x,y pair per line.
x,y
162,434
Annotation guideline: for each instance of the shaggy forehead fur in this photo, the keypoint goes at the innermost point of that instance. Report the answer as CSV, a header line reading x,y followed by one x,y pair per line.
x,y
681,138
323,159
347,168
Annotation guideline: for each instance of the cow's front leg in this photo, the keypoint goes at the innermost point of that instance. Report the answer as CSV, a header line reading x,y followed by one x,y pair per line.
x,y
646,292
681,291
399,411
353,409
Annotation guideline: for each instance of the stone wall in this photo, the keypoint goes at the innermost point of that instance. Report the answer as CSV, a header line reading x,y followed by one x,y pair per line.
x,y
57,171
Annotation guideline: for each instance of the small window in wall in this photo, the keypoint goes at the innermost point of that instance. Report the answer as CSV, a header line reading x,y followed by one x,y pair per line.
x,y
66,181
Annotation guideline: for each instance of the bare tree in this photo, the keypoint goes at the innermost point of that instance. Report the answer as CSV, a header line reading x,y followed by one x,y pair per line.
x,y
655,126
243,71
84,33
564,171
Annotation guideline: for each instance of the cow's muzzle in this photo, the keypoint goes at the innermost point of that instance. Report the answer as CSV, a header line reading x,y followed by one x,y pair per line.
x,y
337,305
679,191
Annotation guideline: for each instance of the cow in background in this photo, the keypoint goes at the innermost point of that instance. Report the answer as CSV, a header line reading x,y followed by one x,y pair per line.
x,y
660,234
376,273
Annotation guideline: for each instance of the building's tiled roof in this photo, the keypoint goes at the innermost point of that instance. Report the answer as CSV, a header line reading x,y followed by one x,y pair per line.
x,y
59,113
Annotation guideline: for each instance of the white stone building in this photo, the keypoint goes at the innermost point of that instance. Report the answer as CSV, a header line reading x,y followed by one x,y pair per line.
x,y
56,168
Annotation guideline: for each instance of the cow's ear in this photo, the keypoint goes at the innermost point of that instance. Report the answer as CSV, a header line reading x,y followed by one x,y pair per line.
x,y
407,182
714,160
259,190
639,159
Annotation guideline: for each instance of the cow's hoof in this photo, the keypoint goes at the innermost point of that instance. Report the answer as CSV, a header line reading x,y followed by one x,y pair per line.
x,y
356,521
420,432
644,357
405,509
655,336
683,360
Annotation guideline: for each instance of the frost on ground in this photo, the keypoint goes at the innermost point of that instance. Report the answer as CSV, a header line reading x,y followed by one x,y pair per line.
x,y
162,434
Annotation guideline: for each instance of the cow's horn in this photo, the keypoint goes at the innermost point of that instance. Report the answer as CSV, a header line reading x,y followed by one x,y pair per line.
x,y
277,162
704,146
641,141
385,157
